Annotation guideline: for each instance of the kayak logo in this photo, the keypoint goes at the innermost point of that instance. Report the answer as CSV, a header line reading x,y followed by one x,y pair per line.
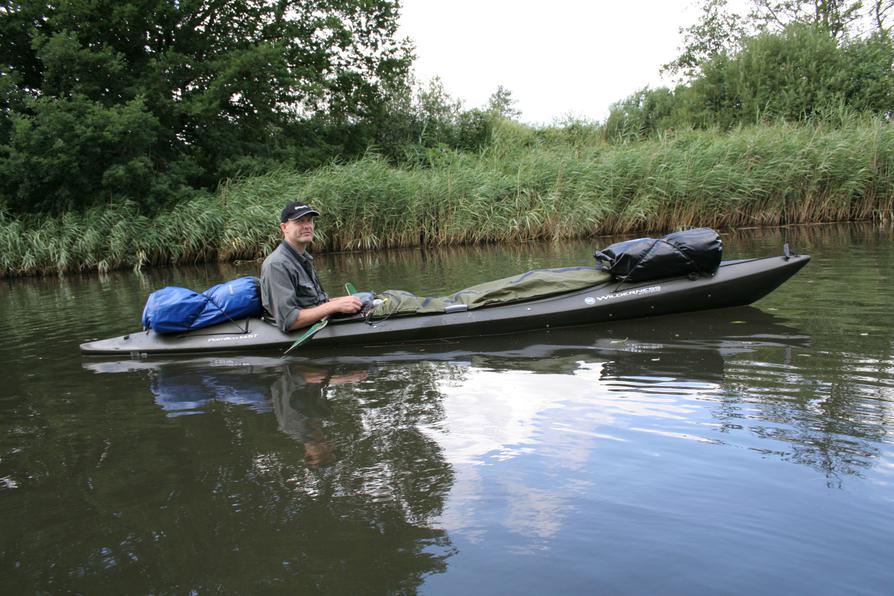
x,y
636,292
231,338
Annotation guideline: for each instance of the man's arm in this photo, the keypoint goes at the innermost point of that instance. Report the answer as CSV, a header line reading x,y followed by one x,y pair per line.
x,y
278,294
280,300
311,314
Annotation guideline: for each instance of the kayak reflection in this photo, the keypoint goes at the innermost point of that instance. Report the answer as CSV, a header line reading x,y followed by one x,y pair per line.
x,y
736,367
691,346
734,375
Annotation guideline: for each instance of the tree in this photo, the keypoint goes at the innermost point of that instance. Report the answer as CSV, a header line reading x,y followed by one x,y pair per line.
x,y
501,104
799,73
423,120
880,11
641,114
833,16
199,89
717,30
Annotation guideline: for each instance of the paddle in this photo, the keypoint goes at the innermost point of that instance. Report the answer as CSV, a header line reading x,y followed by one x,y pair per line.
x,y
350,289
308,334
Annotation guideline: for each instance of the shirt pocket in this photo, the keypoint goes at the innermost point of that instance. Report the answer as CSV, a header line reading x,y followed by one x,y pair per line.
x,y
306,293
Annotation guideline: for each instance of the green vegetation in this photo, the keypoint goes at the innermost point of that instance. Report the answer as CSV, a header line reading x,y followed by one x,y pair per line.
x,y
527,185
147,132
151,100
798,73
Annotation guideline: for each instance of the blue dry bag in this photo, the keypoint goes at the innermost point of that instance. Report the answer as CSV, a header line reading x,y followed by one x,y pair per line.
x,y
175,310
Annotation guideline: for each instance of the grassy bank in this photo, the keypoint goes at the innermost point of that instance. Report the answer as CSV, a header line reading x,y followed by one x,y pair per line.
x,y
527,185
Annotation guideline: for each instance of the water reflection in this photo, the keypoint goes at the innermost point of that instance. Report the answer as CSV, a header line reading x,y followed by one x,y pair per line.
x,y
300,403
692,447
492,399
276,479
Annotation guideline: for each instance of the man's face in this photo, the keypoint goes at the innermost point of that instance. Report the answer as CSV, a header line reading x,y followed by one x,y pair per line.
x,y
299,231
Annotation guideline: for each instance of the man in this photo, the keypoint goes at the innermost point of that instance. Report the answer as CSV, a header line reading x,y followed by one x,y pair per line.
x,y
290,291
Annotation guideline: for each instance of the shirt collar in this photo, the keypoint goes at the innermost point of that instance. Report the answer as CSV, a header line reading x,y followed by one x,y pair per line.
x,y
291,250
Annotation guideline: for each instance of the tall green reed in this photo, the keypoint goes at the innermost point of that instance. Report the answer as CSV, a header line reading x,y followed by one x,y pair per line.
x,y
526,186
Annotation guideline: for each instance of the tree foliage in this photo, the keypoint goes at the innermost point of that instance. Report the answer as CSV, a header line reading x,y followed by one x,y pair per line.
x,y
721,30
815,67
150,98
425,120
880,12
717,30
502,105
835,17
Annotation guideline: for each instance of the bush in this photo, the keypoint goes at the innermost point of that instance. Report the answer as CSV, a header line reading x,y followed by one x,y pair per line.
x,y
802,73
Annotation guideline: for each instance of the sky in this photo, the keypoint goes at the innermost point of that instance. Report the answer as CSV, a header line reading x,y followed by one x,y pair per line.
x,y
559,58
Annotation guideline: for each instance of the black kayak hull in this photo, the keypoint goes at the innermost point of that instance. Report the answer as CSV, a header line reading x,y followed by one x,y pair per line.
x,y
736,283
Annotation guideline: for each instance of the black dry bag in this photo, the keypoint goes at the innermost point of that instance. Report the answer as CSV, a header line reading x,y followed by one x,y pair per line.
x,y
690,252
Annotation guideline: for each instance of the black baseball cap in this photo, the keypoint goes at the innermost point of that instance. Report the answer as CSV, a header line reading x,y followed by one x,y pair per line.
x,y
297,210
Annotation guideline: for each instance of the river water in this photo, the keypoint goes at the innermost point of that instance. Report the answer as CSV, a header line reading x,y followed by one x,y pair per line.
x,y
739,451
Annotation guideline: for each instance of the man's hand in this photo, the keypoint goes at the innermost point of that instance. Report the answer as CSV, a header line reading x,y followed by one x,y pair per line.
x,y
345,304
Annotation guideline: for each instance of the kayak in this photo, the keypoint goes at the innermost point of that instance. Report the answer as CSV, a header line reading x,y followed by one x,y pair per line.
x,y
736,283
695,347
727,332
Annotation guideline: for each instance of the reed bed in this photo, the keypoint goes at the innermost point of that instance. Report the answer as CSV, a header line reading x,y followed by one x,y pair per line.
x,y
523,187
